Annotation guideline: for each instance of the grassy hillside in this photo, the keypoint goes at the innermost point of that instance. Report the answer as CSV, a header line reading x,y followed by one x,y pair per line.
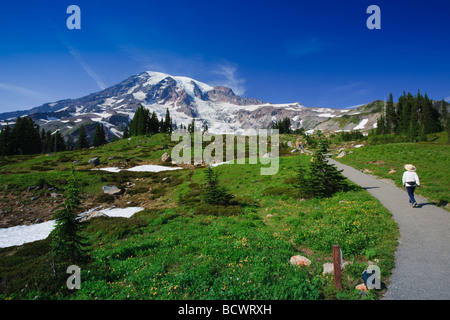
x,y
180,248
432,161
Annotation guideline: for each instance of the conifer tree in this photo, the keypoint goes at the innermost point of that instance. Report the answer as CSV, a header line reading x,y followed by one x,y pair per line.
x,y
154,123
323,179
68,246
213,193
444,115
389,115
125,133
83,142
5,144
69,143
381,125
167,123
99,136
58,142
191,127
284,126
25,137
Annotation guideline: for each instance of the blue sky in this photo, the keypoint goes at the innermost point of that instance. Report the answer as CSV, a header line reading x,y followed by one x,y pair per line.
x,y
319,53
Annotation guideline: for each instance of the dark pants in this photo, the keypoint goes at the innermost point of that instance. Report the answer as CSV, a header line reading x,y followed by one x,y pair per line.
x,y
410,191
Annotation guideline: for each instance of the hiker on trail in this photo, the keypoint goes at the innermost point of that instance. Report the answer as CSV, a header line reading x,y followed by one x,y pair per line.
x,y
410,180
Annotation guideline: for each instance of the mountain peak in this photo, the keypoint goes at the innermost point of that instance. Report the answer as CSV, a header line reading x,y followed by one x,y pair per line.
x,y
186,98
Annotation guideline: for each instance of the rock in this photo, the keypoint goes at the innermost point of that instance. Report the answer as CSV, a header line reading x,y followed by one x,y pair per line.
x,y
361,287
300,261
54,195
165,157
342,154
91,215
112,190
76,162
165,179
95,161
110,158
38,220
328,268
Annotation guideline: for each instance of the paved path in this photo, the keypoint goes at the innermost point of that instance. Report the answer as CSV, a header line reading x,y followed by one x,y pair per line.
x,y
422,259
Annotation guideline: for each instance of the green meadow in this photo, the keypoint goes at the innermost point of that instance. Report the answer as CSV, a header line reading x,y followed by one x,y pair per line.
x,y
181,248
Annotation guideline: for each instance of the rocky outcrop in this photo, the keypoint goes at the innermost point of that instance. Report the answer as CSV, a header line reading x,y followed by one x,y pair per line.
x,y
300,261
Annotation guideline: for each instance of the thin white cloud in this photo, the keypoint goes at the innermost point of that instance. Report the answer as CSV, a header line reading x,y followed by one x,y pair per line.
x,y
20,90
78,58
215,73
447,99
230,79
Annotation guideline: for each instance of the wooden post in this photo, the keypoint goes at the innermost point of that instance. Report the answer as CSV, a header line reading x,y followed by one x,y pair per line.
x,y
337,266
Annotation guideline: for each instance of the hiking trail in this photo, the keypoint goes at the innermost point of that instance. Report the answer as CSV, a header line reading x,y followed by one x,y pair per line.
x,y
422,258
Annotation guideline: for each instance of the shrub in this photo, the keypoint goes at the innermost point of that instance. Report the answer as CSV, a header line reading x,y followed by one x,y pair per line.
x,y
323,179
213,193
68,245
217,210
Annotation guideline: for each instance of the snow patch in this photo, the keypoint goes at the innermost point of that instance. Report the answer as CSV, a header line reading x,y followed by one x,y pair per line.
x,y
361,125
18,235
326,115
143,168
140,95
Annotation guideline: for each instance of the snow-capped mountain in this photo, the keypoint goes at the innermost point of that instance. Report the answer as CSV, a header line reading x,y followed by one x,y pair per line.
x,y
186,98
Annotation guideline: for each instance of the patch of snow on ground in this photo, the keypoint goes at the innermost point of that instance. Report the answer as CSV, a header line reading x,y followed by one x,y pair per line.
x,y
16,236
139,95
131,90
326,115
361,125
143,168
121,212
152,168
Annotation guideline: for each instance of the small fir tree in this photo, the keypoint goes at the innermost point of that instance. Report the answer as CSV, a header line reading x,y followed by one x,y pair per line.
x,y
99,136
213,193
323,179
83,142
68,246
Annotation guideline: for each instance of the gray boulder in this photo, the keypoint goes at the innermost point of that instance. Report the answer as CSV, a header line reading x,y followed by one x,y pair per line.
x,y
112,190
91,215
95,161
342,154
166,157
